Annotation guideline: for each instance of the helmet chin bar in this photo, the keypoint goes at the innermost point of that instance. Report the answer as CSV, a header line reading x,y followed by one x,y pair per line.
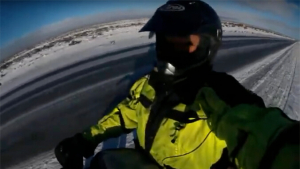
x,y
170,74
166,74
165,68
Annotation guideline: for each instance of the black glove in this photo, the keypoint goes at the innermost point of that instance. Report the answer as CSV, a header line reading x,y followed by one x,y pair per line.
x,y
70,151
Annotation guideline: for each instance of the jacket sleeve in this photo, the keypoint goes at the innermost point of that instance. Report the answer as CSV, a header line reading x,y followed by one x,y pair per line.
x,y
231,91
256,137
122,119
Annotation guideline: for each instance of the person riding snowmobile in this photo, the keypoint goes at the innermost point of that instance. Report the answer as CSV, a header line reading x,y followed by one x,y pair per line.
x,y
186,115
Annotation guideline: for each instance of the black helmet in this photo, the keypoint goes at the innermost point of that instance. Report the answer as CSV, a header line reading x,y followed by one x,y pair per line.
x,y
181,18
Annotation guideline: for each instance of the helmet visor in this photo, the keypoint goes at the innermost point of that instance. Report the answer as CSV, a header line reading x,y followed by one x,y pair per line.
x,y
179,54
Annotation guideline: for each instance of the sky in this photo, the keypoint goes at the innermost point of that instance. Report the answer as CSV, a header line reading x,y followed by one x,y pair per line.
x,y
24,23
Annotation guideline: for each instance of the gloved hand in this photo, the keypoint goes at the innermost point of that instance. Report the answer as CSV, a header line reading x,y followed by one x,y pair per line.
x,y
70,151
249,131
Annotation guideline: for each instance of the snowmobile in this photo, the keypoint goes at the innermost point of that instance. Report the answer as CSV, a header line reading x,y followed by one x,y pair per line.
x,y
137,158
120,158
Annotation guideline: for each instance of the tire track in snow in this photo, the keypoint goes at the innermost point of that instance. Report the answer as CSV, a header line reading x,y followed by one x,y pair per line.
x,y
273,81
259,72
286,82
270,72
291,106
280,83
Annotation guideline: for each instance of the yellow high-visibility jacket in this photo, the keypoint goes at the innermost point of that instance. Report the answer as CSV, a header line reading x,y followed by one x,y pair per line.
x,y
168,142
175,144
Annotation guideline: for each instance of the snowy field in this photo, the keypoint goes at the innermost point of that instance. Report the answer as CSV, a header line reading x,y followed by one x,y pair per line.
x,y
231,28
103,35
274,76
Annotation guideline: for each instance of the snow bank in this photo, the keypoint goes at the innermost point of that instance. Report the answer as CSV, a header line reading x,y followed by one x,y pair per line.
x,y
238,29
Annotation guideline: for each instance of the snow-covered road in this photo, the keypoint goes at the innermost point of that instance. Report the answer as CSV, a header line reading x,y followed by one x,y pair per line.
x,y
53,98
